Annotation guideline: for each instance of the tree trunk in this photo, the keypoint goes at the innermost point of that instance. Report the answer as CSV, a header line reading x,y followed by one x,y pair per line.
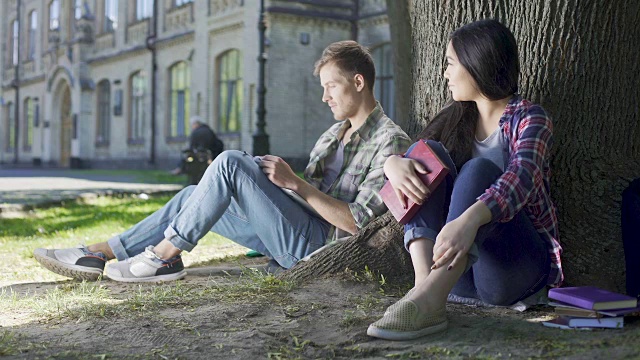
x,y
579,60
377,247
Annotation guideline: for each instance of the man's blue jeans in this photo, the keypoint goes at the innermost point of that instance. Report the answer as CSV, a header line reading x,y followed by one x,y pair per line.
x,y
236,200
508,261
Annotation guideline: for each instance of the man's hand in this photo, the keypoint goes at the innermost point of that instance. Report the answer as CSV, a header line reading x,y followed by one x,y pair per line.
x,y
279,172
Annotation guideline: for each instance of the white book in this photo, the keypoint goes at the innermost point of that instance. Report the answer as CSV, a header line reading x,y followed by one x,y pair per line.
x,y
300,200
566,322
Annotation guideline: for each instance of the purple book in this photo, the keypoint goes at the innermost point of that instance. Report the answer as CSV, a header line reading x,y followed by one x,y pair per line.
x,y
570,310
592,298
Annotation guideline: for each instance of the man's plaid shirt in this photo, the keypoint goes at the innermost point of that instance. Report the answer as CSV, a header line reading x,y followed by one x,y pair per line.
x,y
525,184
362,174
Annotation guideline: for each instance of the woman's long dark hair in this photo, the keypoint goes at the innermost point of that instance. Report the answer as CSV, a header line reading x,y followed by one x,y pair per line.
x,y
488,51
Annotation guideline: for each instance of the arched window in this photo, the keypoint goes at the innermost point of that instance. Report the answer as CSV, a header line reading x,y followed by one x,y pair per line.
x,y
10,138
230,91
137,108
54,15
180,77
15,30
33,31
104,113
28,123
384,88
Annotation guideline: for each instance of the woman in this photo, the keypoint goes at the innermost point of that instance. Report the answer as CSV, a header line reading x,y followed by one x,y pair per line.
x,y
489,231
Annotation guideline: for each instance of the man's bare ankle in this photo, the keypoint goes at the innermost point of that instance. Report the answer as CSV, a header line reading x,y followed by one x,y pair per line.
x,y
165,250
103,248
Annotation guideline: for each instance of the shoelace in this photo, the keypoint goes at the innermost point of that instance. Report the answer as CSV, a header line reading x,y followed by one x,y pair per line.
x,y
147,253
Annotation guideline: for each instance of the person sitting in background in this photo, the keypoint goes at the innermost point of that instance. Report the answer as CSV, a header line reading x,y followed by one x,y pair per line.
x,y
202,139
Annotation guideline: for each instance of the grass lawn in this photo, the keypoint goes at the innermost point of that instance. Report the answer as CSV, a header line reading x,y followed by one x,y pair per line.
x,y
245,316
75,224
143,176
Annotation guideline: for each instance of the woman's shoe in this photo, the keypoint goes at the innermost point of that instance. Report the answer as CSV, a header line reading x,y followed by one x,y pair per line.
x,y
395,304
405,322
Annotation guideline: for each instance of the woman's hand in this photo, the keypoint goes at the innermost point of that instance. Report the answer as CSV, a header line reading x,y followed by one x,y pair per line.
x,y
402,175
453,242
457,236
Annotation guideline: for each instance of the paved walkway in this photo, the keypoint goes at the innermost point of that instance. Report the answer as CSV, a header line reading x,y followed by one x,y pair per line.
x,y
23,189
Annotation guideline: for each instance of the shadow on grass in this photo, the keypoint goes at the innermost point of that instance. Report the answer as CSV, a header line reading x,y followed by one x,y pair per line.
x,y
78,217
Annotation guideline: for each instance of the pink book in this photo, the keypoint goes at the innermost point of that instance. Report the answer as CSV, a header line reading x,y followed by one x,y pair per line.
x,y
592,298
437,172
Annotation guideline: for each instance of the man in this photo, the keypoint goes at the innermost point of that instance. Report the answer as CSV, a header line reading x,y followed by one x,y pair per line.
x,y
241,198
202,138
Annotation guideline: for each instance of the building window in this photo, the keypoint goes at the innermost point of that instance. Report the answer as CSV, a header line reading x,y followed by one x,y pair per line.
x,y
28,123
230,91
137,111
104,113
144,9
179,111
11,140
54,15
15,31
33,31
384,88
182,2
110,15
77,9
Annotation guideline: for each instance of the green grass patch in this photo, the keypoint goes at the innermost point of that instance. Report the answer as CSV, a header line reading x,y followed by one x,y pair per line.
x,y
142,176
8,343
87,223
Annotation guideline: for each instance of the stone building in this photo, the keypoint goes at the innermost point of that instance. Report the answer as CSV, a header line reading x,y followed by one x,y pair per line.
x,y
85,75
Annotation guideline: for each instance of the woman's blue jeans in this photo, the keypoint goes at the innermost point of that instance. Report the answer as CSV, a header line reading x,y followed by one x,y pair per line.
x,y
236,200
508,261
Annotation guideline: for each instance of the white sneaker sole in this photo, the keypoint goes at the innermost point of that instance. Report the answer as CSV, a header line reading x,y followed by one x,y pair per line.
x,y
405,335
69,270
158,278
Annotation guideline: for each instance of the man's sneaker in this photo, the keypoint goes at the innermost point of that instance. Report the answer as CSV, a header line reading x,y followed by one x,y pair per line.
x,y
147,267
78,263
274,268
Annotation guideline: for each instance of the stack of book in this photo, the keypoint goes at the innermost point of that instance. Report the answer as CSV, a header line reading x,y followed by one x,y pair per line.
x,y
587,307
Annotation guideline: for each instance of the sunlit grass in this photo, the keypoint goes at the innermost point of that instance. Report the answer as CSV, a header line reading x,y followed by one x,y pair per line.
x,y
73,224
143,176
81,301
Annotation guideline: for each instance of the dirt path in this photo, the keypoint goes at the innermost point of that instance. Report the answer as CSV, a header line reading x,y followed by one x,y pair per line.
x,y
324,319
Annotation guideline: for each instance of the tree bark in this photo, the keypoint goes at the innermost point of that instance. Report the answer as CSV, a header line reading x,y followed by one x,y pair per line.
x,y
579,60
377,247
400,26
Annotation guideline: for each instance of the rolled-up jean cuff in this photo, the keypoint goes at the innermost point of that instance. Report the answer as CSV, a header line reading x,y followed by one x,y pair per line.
x,y
176,240
418,233
118,250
